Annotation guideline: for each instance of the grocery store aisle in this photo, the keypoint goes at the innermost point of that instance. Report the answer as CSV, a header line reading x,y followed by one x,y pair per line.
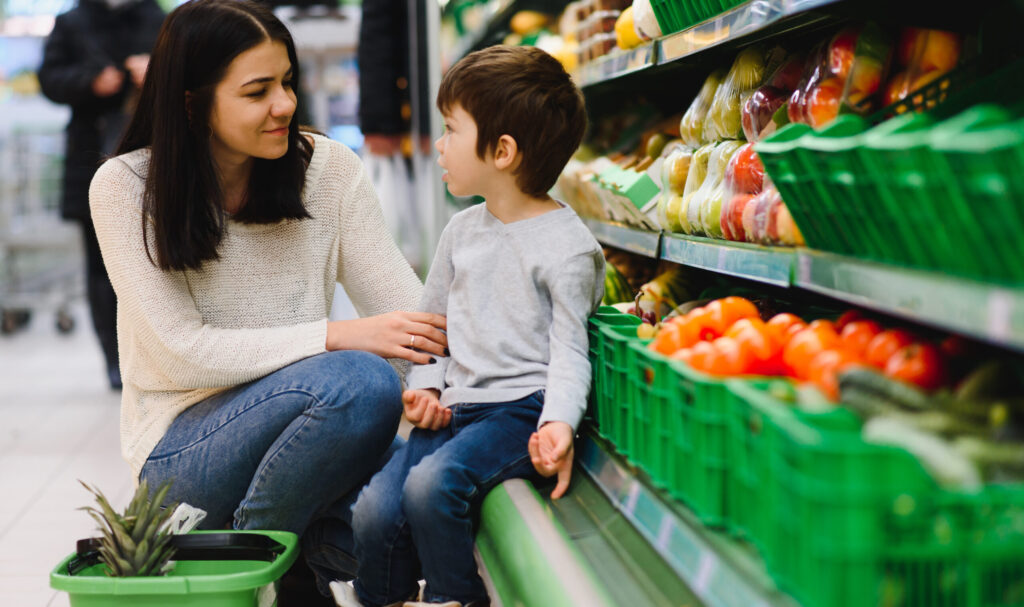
x,y
60,423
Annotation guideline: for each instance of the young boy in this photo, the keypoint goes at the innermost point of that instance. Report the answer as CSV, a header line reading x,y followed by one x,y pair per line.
x,y
517,277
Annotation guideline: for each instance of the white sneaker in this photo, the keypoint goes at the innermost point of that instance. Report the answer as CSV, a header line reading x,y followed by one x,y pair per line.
x,y
425,604
344,594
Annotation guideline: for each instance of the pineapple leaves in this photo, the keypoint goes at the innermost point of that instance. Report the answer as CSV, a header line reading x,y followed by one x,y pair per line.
x,y
135,543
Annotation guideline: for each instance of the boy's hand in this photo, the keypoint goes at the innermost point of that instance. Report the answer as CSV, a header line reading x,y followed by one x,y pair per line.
x,y
551,453
424,410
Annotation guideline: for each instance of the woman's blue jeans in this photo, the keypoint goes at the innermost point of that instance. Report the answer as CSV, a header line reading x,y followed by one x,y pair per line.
x,y
417,514
289,451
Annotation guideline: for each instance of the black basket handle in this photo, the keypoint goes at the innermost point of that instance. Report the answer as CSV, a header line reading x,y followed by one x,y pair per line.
x,y
238,546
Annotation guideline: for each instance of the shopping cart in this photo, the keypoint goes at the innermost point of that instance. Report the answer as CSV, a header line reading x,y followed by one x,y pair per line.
x,y
40,256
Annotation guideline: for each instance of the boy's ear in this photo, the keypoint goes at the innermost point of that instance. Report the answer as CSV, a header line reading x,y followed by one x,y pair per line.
x,y
506,153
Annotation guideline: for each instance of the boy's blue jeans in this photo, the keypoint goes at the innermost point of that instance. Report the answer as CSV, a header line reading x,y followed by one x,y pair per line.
x,y
289,451
417,514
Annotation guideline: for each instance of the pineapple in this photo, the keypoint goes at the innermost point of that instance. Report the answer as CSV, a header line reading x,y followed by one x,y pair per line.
x,y
134,543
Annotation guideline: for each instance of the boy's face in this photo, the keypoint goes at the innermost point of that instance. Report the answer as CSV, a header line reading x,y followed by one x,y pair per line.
x,y
466,173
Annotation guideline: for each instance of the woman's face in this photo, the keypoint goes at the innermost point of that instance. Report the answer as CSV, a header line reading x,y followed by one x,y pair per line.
x,y
253,105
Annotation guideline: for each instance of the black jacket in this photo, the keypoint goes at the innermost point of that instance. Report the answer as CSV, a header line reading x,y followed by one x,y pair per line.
x,y
84,40
384,67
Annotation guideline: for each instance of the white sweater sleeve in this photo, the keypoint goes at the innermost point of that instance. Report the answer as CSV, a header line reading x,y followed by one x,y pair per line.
x,y
181,351
375,274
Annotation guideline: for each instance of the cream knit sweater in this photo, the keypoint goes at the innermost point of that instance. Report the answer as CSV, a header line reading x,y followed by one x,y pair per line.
x,y
184,336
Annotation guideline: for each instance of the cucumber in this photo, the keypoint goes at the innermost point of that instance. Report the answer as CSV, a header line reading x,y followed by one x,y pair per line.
x,y
948,466
868,381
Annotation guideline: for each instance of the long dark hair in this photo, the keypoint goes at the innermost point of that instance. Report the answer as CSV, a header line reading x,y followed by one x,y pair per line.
x,y
196,44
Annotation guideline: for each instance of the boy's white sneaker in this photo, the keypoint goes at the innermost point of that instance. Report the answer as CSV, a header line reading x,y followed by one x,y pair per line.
x,y
425,604
344,594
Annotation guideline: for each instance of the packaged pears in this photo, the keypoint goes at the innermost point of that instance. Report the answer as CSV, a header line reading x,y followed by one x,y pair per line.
x,y
709,197
690,224
691,127
724,116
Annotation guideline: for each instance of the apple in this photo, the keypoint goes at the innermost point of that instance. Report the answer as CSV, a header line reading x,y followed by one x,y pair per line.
x,y
732,217
823,102
711,213
795,108
747,172
865,80
841,51
897,88
747,217
788,231
787,77
759,109
941,51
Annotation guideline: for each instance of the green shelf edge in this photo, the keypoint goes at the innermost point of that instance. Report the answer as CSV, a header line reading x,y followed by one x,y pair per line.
x,y
987,311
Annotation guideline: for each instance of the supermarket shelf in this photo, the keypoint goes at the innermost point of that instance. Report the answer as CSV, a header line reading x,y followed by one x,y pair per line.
x,y
634,240
986,311
503,11
617,63
719,571
748,18
772,265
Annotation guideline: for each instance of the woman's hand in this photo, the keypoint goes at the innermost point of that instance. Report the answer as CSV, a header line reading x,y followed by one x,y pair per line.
x,y
414,336
424,410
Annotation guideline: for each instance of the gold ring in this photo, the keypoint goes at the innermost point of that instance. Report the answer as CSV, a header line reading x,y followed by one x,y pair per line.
x,y
412,341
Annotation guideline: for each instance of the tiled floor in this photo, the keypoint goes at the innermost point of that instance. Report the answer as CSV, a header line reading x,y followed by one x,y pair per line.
x,y
59,424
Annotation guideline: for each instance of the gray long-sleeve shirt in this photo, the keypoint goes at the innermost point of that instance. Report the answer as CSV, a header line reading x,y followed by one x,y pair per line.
x,y
517,297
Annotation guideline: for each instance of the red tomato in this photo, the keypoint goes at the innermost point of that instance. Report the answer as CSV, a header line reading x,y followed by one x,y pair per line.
x,y
920,364
884,345
805,345
722,313
824,369
848,317
700,355
857,334
729,358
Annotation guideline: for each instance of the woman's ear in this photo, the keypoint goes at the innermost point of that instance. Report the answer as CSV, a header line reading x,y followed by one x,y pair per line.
x,y
506,153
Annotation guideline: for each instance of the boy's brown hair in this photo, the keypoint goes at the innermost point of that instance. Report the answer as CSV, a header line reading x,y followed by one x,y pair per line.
x,y
523,92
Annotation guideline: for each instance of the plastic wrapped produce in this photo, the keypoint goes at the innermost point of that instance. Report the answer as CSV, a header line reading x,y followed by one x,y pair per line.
x,y
708,198
744,178
674,172
922,56
689,216
845,75
761,112
644,20
745,75
691,127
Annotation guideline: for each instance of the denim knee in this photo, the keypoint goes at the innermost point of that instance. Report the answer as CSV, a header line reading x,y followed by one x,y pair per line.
x,y
376,516
435,485
376,381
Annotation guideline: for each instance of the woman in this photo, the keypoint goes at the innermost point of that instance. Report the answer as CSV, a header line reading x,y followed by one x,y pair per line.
x,y
224,230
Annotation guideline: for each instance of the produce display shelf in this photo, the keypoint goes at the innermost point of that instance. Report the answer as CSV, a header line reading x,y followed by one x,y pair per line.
x,y
617,63
987,311
771,265
634,240
749,18
501,14
718,570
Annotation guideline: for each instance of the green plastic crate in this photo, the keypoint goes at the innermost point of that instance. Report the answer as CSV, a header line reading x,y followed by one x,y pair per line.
x,y
617,397
191,583
691,406
605,316
844,523
676,15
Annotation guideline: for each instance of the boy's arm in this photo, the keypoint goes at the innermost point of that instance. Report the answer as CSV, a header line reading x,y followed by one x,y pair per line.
x,y
435,300
576,291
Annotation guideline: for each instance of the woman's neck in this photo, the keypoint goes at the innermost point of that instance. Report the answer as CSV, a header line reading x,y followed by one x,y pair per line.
x,y
233,176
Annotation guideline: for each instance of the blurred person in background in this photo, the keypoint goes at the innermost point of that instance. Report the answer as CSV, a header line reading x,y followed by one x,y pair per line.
x,y
95,61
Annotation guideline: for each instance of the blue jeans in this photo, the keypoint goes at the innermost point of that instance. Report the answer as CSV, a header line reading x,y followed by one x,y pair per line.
x,y
289,451
417,514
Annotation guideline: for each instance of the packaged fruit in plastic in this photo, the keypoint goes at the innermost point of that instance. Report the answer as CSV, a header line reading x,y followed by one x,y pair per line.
x,y
691,127
745,75
709,197
744,178
762,112
690,223
922,56
676,169
786,231
669,204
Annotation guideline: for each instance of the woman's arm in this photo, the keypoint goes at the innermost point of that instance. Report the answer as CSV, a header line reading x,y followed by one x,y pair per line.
x,y
164,328
381,284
